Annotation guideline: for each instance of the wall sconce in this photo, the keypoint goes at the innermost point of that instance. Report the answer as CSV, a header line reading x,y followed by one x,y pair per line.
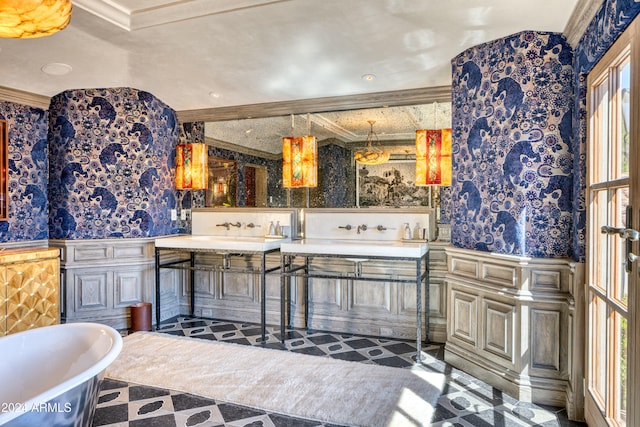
x,y
433,157
299,162
33,18
192,166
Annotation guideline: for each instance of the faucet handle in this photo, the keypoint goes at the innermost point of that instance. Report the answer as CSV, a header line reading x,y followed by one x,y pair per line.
x,y
252,225
346,227
381,228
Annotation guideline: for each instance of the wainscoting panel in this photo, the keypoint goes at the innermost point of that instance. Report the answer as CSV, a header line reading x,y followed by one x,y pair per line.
x,y
90,291
498,331
524,312
464,324
102,278
545,333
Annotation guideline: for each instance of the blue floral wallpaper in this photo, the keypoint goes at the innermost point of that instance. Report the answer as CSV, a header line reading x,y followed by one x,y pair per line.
x,y
512,146
609,22
28,173
112,155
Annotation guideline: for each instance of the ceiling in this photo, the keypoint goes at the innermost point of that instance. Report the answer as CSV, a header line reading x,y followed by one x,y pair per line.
x,y
206,54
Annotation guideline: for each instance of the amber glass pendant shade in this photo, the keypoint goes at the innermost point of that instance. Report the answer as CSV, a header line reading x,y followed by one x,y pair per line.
x,y
299,162
33,18
192,170
433,157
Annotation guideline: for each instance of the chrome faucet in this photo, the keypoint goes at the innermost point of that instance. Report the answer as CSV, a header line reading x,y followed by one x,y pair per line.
x,y
381,228
346,227
251,225
362,227
228,225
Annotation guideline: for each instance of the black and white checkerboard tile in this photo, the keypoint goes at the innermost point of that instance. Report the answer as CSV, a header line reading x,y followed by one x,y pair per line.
x,y
466,401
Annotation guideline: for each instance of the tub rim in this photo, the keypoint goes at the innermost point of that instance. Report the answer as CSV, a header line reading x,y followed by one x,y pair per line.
x,y
97,368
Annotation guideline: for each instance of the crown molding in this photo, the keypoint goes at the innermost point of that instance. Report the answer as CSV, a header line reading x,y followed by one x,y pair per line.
x,y
317,105
133,16
26,98
240,149
580,19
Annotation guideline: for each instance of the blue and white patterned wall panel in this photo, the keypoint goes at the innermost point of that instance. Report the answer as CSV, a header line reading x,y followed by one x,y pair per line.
x,y
112,156
609,22
512,158
28,173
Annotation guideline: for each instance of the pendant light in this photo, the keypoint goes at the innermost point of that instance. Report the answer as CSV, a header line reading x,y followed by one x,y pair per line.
x,y
33,18
371,154
192,166
299,159
433,155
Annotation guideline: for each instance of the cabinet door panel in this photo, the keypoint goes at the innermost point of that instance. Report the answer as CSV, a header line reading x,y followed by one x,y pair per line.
x,y
32,295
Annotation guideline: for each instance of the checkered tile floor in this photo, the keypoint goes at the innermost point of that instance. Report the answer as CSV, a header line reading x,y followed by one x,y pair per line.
x,y
466,401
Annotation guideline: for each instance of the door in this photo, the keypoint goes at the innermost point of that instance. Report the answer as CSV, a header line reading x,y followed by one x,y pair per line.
x,y
613,212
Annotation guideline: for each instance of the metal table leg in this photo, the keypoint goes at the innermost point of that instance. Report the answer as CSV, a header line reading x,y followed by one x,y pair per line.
x,y
192,282
263,297
157,288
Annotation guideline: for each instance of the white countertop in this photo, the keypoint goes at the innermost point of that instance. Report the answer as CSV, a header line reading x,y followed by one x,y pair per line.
x,y
358,248
221,243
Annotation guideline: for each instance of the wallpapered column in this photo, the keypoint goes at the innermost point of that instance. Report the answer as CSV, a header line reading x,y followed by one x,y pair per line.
x,y
112,157
512,154
613,17
28,173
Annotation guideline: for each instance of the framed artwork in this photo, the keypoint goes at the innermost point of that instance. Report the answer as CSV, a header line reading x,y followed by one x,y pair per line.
x,y
391,184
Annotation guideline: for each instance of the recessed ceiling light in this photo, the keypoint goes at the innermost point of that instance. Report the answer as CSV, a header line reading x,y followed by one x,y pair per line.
x,y
214,94
56,69
368,77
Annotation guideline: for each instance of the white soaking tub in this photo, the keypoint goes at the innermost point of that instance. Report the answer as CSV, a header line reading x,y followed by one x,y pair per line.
x,y
50,376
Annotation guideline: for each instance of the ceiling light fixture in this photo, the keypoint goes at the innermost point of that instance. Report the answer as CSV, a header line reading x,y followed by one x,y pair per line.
x,y
56,69
370,154
368,77
33,18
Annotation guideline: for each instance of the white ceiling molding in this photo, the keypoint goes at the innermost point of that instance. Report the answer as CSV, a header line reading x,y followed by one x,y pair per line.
x,y
133,15
25,98
580,19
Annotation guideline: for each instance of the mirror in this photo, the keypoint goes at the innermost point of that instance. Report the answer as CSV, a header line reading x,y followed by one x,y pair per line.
x,y
252,136
222,189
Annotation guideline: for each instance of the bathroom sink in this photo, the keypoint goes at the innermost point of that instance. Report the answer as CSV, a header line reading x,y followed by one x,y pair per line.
x,y
222,243
385,248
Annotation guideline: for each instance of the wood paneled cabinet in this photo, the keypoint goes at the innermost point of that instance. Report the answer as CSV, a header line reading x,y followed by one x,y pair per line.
x,y
101,279
29,289
513,322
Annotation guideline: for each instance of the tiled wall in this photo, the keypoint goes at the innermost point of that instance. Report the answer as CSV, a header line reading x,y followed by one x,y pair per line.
x,y
28,173
512,162
112,157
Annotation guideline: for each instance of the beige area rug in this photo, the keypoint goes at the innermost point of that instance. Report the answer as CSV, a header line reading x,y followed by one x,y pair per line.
x,y
312,387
